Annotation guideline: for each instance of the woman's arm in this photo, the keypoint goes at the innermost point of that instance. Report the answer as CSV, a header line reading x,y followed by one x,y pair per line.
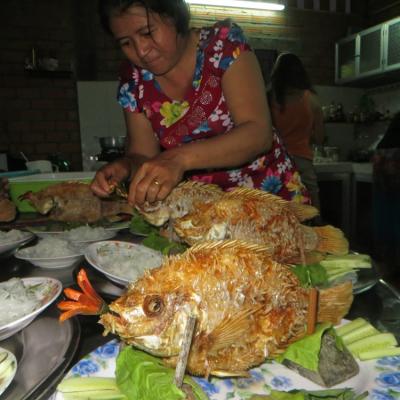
x,y
318,133
244,91
141,145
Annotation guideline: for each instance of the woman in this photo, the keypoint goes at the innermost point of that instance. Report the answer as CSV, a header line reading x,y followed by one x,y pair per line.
x,y
194,106
297,115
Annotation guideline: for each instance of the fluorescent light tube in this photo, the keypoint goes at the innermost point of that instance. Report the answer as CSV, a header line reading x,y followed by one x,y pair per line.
x,y
257,5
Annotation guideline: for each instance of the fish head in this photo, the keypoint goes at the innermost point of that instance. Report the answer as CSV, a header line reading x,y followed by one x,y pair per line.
x,y
156,214
42,203
202,224
152,322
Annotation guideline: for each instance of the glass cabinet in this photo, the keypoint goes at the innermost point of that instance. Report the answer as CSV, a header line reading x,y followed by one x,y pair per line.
x,y
392,47
369,53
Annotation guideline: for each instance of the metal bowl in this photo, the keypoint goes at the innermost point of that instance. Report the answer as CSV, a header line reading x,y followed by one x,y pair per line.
x,y
112,142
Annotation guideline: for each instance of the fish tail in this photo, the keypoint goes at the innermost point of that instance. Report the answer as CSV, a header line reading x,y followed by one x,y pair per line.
x,y
335,302
331,240
303,212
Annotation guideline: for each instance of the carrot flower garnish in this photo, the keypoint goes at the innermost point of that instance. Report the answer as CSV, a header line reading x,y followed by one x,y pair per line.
x,y
87,302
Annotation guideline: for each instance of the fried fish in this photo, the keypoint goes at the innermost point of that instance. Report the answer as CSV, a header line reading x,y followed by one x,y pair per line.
x,y
248,307
264,218
75,202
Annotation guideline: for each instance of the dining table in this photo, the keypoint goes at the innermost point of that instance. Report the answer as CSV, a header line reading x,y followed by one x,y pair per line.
x,y
47,349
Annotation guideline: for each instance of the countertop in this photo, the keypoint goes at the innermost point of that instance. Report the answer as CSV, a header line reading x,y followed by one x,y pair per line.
x,y
344,167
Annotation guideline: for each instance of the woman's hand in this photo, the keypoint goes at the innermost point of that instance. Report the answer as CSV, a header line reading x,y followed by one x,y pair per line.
x,y
156,177
110,174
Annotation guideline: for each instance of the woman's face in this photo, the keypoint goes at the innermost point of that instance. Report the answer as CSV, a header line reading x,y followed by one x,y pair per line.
x,y
147,40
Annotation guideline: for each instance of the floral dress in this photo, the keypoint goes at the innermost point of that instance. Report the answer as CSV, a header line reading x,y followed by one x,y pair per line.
x,y
204,113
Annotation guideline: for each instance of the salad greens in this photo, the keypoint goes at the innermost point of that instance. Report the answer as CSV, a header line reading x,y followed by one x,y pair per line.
x,y
141,376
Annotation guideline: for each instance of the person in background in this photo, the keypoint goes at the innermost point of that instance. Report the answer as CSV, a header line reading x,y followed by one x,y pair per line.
x,y
194,106
386,201
297,116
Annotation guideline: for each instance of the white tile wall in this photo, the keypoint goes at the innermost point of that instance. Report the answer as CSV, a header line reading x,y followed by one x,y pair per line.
x,y
99,115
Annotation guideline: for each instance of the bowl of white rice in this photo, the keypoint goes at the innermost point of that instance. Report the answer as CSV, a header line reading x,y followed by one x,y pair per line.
x,y
13,238
122,262
87,234
52,253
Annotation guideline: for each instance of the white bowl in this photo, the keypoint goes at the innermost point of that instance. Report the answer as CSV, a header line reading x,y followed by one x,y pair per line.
x,y
51,263
149,257
7,246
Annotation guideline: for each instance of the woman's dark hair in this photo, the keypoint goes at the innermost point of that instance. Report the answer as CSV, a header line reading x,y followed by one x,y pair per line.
x,y
176,10
288,73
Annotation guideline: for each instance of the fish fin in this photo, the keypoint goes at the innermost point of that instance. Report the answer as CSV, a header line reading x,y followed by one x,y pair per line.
x,y
256,194
230,330
303,212
335,302
229,244
331,240
233,374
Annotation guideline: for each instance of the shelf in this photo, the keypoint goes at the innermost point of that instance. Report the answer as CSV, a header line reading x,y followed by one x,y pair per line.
x,y
41,73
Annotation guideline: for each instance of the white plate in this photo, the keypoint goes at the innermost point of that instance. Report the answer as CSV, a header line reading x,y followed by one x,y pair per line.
x,y
379,377
7,246
152,259
52,289
6,380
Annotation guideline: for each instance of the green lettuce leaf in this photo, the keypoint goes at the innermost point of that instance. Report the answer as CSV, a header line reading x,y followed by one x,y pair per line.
x,y
161,243
312,275
141,376
140,226
305,351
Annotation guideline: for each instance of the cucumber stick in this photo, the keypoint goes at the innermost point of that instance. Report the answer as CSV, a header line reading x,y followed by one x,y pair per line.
x,y
349,261
346,328
378,353
359,333
90,388
365,342
379,341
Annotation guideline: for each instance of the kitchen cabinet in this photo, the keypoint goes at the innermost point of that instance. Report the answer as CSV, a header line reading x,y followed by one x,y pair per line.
x,y
370,56
392,48
371,51
345,190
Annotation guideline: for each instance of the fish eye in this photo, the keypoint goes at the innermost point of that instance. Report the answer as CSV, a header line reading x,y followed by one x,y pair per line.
x,y
153,305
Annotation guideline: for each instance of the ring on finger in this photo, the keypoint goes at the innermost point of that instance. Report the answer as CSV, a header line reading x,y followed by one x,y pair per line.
x,y
156,182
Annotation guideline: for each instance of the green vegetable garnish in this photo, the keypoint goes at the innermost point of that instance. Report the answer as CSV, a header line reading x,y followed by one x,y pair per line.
x,y
157,242
141,376
311,275
305,351
140,226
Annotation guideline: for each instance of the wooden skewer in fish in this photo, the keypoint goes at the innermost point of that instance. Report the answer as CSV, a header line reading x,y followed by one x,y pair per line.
x,y
183,357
